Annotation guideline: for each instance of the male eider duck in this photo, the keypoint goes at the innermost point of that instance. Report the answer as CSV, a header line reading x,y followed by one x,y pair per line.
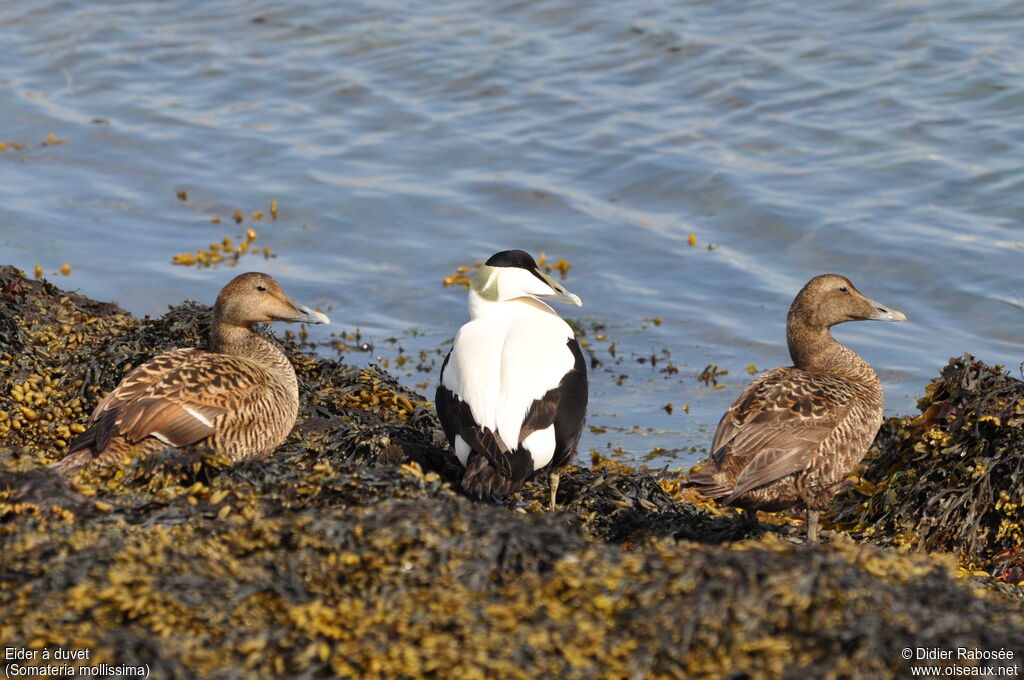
x,y
795,434
513,390
240,398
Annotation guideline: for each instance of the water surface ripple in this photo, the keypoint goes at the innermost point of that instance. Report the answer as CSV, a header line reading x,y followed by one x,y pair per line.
x,y
401,140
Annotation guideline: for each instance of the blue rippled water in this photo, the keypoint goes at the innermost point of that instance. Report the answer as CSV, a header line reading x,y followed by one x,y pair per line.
x,y
401,140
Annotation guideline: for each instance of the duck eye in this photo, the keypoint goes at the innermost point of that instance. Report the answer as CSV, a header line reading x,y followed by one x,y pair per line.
x,y
843,289
262,289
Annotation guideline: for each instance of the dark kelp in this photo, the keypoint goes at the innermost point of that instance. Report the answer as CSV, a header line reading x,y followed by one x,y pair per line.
x,y
951,479
348,552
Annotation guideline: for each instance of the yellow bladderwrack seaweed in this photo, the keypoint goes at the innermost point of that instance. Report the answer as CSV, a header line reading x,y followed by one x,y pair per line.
x,y
347,552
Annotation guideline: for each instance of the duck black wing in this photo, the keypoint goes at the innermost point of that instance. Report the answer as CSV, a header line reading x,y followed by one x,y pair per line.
x,y
488,450
565,407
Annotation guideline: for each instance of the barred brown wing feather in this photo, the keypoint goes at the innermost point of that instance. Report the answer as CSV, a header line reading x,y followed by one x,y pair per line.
x,y
770,465
770,389
142,378
164,398
775,427
178,424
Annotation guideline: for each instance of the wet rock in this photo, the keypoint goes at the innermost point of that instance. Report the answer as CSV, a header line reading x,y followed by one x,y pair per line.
x,y
25,485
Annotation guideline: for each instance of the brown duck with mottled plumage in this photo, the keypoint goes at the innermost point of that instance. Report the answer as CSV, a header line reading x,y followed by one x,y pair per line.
x,y
240,398
795,434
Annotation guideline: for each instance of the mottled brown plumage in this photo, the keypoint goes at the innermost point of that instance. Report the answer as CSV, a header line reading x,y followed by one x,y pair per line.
x,y
240,398
795,433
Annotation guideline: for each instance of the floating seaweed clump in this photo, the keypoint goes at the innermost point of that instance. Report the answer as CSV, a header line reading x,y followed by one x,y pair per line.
x,y
951,479
226,251
348,552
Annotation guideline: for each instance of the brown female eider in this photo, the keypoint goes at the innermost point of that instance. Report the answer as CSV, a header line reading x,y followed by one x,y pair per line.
x,y
795,434
240,398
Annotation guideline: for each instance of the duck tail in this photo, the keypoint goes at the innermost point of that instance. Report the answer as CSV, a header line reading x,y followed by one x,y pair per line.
x,y
73,461
710,483
81,452
485,482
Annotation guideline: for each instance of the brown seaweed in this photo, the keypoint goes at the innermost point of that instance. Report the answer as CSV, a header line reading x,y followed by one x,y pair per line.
x,y
952,478
349,552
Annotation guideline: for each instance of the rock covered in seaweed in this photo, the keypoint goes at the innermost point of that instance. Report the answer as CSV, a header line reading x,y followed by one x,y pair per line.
x,y
348,551
429,584
952,478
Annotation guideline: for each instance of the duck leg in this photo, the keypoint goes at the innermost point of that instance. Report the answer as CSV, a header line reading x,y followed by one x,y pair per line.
x,y
812,526
554,477
751,527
